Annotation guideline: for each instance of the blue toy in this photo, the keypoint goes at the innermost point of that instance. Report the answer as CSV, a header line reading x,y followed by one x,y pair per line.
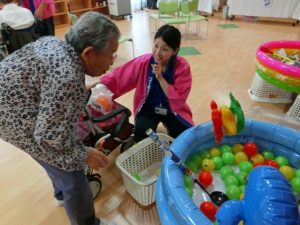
x,y
268,199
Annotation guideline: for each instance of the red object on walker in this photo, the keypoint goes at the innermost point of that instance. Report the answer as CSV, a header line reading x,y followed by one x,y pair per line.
x,y
216,117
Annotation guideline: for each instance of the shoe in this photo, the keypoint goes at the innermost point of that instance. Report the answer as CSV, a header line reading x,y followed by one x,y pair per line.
x,y
59,202
106,222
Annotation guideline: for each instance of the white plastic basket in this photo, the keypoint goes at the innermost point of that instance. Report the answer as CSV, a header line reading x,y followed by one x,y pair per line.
x,y
262,91
140,166
294,110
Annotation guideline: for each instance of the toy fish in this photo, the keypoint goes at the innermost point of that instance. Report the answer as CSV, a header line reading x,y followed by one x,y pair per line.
x,y
268,200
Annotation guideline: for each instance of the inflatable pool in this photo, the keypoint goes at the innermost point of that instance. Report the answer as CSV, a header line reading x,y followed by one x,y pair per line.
x,y
285,75
174,204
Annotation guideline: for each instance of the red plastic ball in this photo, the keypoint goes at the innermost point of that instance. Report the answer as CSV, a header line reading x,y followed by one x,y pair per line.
x,y
271,162
209,210
250,149
205,178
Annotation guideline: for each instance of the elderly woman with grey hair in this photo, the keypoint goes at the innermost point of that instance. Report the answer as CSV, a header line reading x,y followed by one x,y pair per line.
x,y
42,89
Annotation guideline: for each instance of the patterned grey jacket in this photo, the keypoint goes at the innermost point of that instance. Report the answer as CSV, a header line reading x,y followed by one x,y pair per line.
x,y
42,92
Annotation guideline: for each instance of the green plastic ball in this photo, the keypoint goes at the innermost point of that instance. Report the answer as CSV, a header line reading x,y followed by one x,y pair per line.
x,y
231,180
282,161
226,171
268,154
188,182
295,182
245,166
233,192
242,177
225,148
218,162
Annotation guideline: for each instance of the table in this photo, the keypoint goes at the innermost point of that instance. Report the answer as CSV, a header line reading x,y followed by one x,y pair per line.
x,y
263,8
208,5
296,14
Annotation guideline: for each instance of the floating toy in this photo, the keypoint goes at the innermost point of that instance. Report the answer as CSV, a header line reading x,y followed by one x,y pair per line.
x,y
279,69
230,119
216,117
268,199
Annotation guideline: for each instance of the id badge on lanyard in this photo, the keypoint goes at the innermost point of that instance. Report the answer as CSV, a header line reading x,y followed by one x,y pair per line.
x,y
161,110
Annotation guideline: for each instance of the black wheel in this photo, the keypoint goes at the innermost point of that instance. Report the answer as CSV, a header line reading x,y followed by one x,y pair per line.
x,y
131,141
95,184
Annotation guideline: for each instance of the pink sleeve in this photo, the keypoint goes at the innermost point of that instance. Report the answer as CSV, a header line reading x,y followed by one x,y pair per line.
x,y
126,77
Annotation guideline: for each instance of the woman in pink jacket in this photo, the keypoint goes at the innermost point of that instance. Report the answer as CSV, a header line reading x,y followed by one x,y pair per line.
x,y
162,82
44,11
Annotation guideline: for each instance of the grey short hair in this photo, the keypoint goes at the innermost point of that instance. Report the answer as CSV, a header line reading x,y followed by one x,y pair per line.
x,y
92,30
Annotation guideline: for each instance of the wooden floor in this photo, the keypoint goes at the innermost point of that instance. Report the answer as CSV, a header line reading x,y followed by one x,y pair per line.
x,y
225,65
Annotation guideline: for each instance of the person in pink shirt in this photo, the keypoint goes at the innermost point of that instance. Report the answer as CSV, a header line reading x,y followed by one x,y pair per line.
x,y
162,82
44,11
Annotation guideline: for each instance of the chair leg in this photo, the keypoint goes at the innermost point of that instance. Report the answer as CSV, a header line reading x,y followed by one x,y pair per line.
x,y
132,47
207,28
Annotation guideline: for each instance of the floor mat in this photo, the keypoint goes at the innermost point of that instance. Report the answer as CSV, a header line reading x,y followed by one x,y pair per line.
x,y
229,26
184,51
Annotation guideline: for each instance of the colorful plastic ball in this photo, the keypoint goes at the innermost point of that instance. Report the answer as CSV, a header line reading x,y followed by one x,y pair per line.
x,y
242,188
257,158
233,192
205,178
231,180
214,152
242,177
268,154
189,191
240,157
225,148
205,154
228,158
137,176
208,165
295,182
245,167
197,159
287,171
250,149
258,164
271,162
218,162
282,161
188,181
226,171
192,166
297,173
209,210
237,148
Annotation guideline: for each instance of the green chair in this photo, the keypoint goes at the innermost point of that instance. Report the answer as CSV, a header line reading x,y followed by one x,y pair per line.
x,y
188,10
73,18
123,39
167,9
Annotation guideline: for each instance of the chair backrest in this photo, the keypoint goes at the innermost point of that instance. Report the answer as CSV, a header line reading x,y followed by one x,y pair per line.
x,y
193,4
185,8
15,39
73,18
168,7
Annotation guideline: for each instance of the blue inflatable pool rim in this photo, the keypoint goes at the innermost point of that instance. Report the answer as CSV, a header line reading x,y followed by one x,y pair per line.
x,y
174,204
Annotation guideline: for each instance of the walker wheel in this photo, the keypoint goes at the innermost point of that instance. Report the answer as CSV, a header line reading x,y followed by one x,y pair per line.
x,y
95,184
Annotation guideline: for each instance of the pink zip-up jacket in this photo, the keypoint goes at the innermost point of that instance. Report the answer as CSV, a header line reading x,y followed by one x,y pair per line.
x,y
134,74
49,11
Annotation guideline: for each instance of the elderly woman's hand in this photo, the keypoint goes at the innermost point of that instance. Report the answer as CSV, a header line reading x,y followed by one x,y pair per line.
x,y
96,159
